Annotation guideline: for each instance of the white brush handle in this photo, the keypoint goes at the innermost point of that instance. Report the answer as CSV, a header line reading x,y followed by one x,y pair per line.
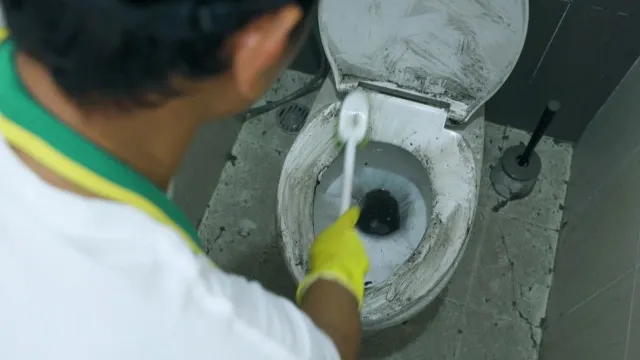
x,y
347,182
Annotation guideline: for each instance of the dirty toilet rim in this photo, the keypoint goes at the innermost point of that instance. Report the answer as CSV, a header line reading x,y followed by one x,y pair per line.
x,y
317,131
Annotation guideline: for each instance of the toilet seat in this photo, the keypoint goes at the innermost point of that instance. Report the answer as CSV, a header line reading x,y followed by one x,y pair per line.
x,y
452,174
459,52
417,81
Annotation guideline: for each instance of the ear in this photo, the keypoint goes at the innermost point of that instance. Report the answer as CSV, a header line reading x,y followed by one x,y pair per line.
x,y
257,50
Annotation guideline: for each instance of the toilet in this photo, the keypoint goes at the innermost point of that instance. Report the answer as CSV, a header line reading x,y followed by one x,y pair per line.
x,y
428,67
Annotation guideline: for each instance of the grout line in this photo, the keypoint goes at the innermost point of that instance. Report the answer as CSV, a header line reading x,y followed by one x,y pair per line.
x,y
598,292
476,257
631,307
614,91
513,217
472,278
607,182
622,165
453,302
549,43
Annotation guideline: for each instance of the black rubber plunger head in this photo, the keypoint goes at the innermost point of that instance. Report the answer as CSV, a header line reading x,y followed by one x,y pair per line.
x,y
380,213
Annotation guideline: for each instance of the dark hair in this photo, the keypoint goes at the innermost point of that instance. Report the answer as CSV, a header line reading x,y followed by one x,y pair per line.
x,y
128,50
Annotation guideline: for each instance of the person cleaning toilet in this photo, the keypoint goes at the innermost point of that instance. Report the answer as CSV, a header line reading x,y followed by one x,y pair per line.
x,y
99,100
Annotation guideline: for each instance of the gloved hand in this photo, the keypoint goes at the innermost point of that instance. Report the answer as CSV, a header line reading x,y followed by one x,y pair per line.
x,y
338,255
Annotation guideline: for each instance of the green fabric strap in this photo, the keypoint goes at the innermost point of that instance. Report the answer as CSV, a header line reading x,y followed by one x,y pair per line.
x,y
19,107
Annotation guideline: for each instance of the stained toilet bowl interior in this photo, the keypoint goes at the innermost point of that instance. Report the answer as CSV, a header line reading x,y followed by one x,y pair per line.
x,y
394,192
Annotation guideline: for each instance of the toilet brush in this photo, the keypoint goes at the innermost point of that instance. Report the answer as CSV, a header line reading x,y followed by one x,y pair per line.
x,y
353,124
516,173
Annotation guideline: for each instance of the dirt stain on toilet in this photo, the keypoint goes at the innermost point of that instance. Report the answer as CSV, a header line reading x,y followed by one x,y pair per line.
x,y
458,51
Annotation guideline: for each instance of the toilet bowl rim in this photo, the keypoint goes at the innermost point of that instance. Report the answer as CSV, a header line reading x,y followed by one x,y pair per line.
x,y
289,246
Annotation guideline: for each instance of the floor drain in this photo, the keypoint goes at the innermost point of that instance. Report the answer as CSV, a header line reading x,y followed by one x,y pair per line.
x,y
291,118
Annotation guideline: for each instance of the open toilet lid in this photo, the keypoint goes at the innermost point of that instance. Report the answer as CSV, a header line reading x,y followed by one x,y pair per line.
x,y
457,51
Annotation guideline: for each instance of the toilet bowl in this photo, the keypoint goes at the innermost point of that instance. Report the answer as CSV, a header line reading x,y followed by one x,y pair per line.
x,y
427,67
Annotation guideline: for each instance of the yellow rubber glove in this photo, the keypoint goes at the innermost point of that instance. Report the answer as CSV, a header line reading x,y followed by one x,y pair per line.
x,y
4,33
338,255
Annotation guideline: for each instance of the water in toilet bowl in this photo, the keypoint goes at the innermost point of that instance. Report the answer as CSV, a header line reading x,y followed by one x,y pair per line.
x,y
395,202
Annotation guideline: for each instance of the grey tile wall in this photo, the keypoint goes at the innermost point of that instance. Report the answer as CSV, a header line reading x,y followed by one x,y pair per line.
x,y
633,346
610,142
581,333
202,165
576,52
599,246
593,311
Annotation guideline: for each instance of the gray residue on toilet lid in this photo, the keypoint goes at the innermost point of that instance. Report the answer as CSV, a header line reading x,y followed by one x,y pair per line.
x,y
458,51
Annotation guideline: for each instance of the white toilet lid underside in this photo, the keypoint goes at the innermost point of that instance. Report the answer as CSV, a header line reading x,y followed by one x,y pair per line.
x,y
458,51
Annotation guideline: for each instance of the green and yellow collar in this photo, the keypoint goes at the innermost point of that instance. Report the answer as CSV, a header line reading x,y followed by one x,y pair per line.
x,y
30,128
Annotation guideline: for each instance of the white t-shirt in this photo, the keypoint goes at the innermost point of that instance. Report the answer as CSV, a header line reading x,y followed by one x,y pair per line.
x,y
84,278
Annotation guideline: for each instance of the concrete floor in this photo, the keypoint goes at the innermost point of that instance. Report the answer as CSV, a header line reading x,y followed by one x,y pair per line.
x,y
495,304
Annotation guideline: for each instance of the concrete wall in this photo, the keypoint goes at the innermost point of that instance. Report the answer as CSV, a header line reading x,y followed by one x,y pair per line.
x,y
594,305
577,51
198,176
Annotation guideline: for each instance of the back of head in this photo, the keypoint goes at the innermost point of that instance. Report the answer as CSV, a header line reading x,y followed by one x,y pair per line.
x,y
126,50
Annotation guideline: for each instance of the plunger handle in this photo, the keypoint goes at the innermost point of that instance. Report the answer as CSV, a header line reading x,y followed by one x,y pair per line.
x,y
545,120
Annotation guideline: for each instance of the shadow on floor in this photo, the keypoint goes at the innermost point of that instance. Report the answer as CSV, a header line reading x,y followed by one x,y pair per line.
x,y
384,343
271,271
